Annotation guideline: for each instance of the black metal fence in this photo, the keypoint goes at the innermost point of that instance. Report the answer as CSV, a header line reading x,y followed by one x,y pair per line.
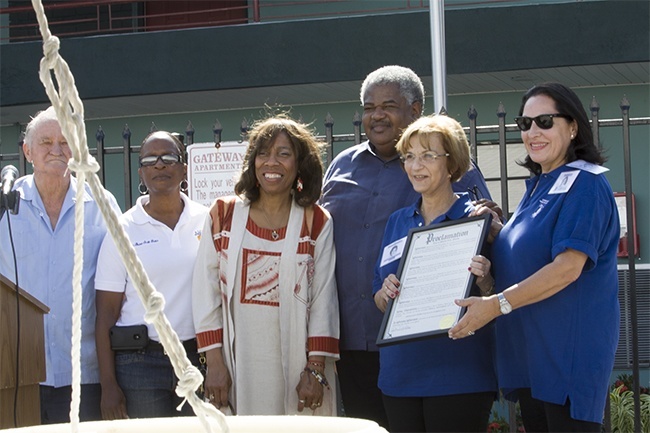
x,y
496,137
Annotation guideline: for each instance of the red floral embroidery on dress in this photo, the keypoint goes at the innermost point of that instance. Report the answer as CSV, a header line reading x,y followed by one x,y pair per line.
x,y
310,270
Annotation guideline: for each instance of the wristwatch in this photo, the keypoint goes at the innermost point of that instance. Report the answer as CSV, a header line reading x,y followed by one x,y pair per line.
x,y
504,305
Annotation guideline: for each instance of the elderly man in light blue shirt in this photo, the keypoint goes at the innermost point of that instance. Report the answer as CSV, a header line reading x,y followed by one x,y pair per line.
x,y
43,236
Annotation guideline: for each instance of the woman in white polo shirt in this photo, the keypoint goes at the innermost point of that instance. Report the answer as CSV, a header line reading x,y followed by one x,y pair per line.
x,y
164,227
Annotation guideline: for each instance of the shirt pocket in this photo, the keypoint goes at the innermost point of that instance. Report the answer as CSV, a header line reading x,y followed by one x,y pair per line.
x,y
28,241
93,237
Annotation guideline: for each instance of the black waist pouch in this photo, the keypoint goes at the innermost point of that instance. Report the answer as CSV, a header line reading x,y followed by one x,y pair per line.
x,y
133,337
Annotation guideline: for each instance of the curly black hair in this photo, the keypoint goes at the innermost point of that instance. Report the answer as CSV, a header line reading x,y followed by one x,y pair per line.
x,y
308,158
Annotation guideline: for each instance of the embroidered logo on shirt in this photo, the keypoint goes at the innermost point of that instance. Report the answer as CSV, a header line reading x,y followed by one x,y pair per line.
x,y
542,203
150,241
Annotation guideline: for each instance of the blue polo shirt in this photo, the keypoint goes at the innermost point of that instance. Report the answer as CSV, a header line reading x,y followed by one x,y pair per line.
x,y
360,191
439,365
561,347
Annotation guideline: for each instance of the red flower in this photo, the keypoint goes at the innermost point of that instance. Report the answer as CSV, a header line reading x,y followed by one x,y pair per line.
x,y
493,427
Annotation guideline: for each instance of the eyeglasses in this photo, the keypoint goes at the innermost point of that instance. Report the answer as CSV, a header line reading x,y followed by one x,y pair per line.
x,y
424,158
544,121
167,159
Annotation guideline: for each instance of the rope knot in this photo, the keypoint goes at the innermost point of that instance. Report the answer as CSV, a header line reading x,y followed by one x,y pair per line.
x,y
155,306
51,50
190,380
89,166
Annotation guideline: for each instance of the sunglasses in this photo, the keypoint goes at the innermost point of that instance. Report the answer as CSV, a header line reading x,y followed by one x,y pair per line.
x,y
167,159
544,121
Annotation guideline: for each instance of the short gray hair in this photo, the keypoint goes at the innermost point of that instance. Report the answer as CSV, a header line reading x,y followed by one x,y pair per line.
x,y
410,85
41,116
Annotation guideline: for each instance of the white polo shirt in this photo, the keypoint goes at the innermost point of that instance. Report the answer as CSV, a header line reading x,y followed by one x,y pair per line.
x,y
168,257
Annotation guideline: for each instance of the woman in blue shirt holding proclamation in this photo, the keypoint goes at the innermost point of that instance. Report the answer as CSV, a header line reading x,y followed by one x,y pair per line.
x,y
436,384
555,269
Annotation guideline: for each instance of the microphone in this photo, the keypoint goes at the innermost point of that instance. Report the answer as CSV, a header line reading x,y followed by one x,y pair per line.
x,y
9,200
9,175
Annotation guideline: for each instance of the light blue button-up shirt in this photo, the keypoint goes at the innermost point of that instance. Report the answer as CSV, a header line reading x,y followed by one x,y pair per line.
x,y
45,261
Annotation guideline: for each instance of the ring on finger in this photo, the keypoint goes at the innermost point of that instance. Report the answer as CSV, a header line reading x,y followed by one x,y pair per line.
x,y
301,401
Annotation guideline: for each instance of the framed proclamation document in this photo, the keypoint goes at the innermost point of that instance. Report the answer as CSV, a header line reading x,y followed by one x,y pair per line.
x,y
433,273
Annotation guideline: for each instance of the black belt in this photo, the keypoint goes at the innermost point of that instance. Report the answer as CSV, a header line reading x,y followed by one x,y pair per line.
x,y
154,346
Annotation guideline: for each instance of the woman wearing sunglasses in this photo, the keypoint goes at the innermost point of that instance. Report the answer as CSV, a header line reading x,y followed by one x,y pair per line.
x,y
164,227
555,268
434,385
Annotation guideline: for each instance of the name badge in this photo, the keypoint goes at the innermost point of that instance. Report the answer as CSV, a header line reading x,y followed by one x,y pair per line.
x,y
392,252
588,166
564,182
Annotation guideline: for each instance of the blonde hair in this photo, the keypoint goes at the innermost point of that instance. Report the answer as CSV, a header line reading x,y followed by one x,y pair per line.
x,y
454,141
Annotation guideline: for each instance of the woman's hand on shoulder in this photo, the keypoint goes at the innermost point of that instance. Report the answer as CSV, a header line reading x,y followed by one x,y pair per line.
x,y
490,204
484,206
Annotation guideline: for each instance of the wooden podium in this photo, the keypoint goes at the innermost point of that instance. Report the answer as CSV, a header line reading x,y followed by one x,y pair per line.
x,y
32,356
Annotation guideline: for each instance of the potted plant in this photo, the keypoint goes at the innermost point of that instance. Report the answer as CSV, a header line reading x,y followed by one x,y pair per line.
x,y
622,406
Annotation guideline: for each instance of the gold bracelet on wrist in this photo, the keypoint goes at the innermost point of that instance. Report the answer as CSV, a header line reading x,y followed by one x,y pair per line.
x,y
318,364
489,291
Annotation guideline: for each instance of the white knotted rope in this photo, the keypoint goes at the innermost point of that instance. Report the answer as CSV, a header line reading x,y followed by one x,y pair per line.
x,y
70,113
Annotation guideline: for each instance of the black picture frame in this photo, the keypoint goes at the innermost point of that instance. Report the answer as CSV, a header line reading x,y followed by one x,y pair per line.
x,y
400,324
